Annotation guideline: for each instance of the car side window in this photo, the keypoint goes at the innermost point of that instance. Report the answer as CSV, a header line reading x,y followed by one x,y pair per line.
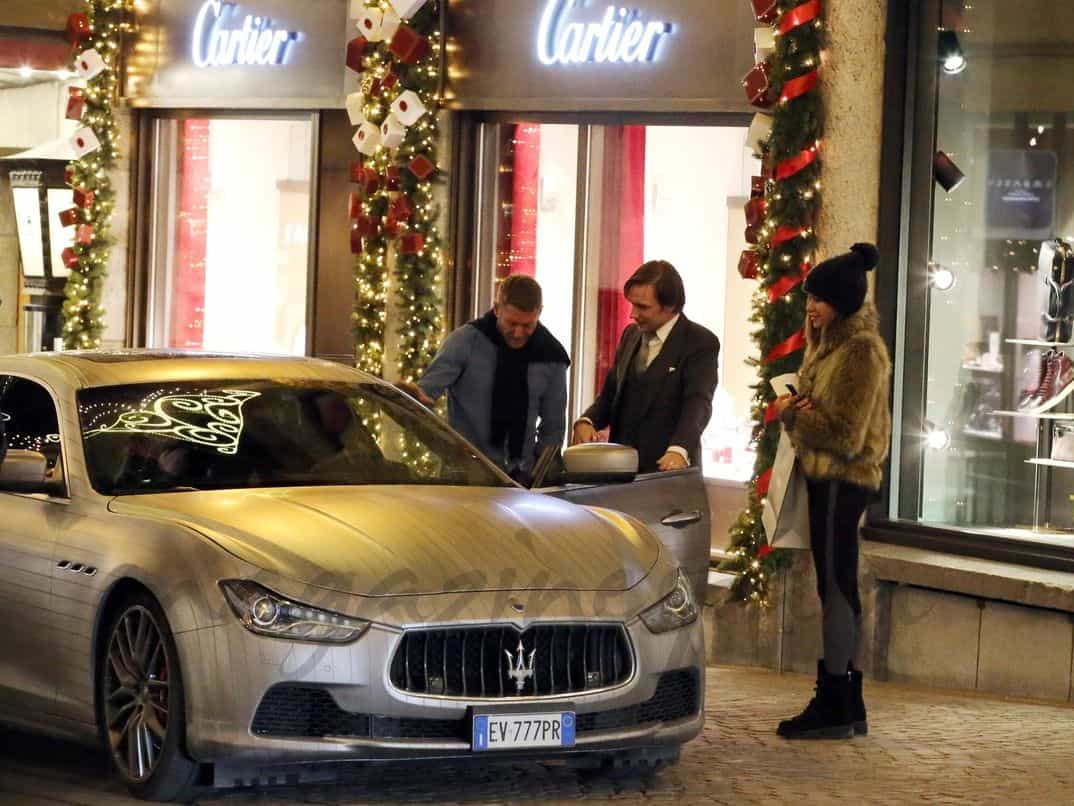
x,y
29,417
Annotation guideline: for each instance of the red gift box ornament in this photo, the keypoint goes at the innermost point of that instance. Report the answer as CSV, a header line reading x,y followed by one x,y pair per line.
x,y
356,171
748,265
78,28
393,178
412,243
69,176
70,259
356,49
354,205
757,187
757,85
755,210
70,216
765,10
408,46
422,167
391,227
367,226
84,198
753,235
76,103
84,234
369,180
401,208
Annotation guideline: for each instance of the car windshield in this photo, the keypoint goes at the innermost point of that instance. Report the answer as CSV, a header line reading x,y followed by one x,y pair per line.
x,y
142,438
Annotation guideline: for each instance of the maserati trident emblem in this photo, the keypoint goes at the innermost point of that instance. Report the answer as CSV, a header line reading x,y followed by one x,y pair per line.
x,y
517,668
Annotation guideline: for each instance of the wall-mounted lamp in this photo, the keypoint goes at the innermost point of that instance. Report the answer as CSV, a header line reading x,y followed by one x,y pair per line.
x,y
946,172
952,58
940,277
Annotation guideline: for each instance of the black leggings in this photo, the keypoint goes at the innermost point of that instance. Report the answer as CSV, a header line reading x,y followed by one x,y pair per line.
x,y
835,509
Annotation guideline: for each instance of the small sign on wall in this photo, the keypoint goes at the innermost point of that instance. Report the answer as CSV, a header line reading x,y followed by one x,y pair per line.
x,y
1021,193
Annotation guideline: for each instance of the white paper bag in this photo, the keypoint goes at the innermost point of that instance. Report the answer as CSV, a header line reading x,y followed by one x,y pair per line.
x,y
785,514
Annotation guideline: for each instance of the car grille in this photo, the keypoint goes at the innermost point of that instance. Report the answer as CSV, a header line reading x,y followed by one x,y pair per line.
x,y
473,662
307,712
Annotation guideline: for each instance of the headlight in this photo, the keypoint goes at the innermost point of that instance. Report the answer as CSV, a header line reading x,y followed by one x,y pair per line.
x,y
266,613
677,609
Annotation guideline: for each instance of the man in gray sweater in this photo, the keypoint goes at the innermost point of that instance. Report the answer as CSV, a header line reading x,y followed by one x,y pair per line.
x,y
505,375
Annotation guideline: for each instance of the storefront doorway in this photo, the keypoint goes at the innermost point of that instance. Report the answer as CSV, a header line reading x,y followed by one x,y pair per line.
x,y
580,206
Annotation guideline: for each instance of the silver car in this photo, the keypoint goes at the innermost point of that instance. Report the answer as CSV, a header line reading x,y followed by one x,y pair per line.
x,y
231,570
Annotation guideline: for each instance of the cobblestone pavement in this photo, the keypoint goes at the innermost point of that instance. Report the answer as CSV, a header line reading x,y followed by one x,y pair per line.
x,y
923,745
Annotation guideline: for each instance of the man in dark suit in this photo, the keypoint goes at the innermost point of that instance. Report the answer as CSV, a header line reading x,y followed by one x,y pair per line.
x,y
657,397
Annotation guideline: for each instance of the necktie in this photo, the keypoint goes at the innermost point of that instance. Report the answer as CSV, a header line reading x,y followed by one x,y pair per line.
x,y
646,352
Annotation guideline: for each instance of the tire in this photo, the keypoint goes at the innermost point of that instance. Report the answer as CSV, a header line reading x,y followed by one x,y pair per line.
x,y
142,707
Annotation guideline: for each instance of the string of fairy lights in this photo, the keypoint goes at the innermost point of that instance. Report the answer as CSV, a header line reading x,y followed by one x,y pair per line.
x,y
96,33
397,245
786,134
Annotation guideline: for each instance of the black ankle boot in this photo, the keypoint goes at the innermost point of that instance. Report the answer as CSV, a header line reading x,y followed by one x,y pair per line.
x,y
857,703
828,714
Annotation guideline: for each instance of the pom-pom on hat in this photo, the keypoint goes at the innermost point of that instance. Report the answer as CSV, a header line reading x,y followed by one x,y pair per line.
x,y
840,280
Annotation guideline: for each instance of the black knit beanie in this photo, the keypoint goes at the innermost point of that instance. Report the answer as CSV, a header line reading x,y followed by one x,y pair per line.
x,y
840,280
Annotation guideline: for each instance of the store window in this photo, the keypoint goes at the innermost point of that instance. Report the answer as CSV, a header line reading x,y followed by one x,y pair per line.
x,y
994,447
650,192
230,246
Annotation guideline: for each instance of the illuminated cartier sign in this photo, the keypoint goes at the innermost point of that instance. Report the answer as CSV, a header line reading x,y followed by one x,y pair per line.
x,y
221,40
622,36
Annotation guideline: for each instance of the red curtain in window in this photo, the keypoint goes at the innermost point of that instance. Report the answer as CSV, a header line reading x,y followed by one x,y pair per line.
x,y
187,315
516,251
622,246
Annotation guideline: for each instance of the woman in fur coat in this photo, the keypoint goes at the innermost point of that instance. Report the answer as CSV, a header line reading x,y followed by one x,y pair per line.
x,y
840,427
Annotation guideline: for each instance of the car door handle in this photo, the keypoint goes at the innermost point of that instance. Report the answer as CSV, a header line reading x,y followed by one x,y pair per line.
x,y
681,519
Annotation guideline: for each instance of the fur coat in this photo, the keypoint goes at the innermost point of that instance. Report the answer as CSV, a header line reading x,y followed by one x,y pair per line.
x,y
846,373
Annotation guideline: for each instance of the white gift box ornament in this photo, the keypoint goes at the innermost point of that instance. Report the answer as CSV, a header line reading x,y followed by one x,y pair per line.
x,y
89,64
408,108
407,8
764,43
389,25
367,138
369,24
392,132
83,141
355,105
759,132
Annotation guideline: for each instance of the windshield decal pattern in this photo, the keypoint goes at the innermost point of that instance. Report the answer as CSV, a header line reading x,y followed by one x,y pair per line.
x,y
210,420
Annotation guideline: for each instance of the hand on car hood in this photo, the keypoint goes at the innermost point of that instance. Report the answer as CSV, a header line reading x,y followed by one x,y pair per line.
x,y
390,540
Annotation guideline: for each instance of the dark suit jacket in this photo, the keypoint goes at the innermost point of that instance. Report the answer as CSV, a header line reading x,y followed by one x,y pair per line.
x,y
680,405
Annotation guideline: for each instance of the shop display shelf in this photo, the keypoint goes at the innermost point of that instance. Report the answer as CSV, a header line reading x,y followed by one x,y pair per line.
x,y
1040,343
1047,415
1051,463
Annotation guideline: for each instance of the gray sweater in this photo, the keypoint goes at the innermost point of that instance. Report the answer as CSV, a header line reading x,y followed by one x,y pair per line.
x,y
465,367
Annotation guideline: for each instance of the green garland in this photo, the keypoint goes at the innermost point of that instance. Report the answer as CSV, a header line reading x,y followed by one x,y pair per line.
x,y
416,276
791,202
83,314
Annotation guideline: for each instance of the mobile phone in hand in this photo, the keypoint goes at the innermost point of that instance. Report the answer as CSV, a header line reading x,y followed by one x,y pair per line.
x,y
792,390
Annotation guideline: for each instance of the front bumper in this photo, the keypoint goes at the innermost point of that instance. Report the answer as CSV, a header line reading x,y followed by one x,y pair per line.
x,y
229,672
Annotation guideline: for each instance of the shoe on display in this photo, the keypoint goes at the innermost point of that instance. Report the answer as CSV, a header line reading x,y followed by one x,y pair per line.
x,y
1057,384
1029,393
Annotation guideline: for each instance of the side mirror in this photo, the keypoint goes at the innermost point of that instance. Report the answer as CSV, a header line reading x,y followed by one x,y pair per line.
x,y
599,463
28,472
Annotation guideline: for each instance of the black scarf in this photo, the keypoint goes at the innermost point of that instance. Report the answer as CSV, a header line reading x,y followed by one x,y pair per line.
x,y
510,381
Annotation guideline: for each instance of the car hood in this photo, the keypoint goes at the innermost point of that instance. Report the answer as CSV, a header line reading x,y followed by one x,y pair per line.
x,y
393,540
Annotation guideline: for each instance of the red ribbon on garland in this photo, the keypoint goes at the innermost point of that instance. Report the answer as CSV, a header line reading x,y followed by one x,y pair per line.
x,y
797,87
762,483
786,347
784,234
784,285
770,413
800,15
789,167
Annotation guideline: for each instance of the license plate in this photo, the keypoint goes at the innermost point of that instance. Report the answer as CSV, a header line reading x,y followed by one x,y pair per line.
x,y
514,731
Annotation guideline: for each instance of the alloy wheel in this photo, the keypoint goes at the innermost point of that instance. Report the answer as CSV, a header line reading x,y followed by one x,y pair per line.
x,y
137,688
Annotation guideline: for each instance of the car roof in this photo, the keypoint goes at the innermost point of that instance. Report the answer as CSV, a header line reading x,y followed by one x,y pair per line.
x,y
90,368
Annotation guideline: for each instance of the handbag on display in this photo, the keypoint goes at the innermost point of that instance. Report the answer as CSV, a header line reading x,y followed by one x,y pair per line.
x,y
785,514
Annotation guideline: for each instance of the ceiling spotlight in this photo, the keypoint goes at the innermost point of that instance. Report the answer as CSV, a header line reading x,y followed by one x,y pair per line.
x,y
941,277
952,59
26,71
